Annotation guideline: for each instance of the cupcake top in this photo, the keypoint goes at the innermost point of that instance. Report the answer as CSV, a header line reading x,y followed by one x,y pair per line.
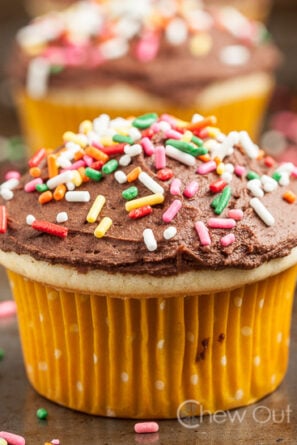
x,y
164,47
151,195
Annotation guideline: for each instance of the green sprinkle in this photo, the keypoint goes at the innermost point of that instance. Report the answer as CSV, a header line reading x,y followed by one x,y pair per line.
x,y
252,175
2,354
184,146
197,141
41,188
110,166
214,203
130,193
93,174
41,413
145,121
56,69
223,201
122,139
277,176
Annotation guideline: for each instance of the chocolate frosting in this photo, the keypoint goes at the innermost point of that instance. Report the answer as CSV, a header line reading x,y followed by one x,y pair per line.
x,y
122,249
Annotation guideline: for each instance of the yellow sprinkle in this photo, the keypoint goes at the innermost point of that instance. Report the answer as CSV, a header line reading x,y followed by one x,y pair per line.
x,y
85,127
96,208
77,179
102,227
79,139
157,198
201,44
220,168
213,132
187,136
106,141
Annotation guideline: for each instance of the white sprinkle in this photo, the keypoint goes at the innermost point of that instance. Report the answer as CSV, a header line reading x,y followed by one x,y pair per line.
x,y
62,217
37,77
78,196
235,55
6,194
284,179
100,124
251,149
62,178
254,186
269,184
30,219
227,177
170,232
180,156
125,160
150,183
120,177
70,186
149,240
114,48
133,150
176,32
262,211
10,184
134,133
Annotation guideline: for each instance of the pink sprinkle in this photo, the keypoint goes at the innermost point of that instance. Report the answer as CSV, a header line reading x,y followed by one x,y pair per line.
x,y
7,308
12,439
221,223
203,233
55,442
12,174
191,189
147,48
30,186
168,118
236,214
207,167
173,134
239,170
88,160
97,145
75,166
228,239
160,157
172,211
147,146
294,172
155,127
175,187
146,427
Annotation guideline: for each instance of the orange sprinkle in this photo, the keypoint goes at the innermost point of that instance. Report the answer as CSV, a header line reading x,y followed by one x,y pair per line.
x,y
82,172
79,155
261,155
217,160
206,122
45,197
289,196
204,158
59,192
52,166
35,172
97,154
133,175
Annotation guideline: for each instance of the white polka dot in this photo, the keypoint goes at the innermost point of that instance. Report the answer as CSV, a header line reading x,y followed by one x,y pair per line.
x,y
159,385
57,353
41,318
190,337
95,359
237,302
160,344
273,379
224,360
246,331
257,360
279,337
73,328
239,394
29,369
110,412
124,377
52,295
162,305
79,386
194,379
42,366
261,303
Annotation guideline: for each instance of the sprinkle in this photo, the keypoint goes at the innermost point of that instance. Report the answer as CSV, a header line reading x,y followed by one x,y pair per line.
x,y
146,427
180,156
223,200
262,211
12,439
93,174
50,228
130,193
206,168
122,139
236,214
140,212
103,227
164,174
76,180
289,196
125,160
276,176
111,150
120,177
148,146
252,175
6,194
110,166
239,170
62,178
37,77
227,239
221,223
97,165
96,208
251,149
175,187
78,139
62,217
59,192
217,186
150,183
35,172
202,123
52,165
147,47
133,150
186,147
269,161
78,196
45,197
12,174
145,121
2,355
30,219
41,413
76,165
255,187
133,174
269,184
97,154
173,134
172,211
7,309
235,55
30,186
191,189
203,233
160,157
170,232
155,199
150,240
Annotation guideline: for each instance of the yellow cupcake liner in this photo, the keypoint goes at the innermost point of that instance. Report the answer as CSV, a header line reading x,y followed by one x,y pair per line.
x,y
144,358
44,121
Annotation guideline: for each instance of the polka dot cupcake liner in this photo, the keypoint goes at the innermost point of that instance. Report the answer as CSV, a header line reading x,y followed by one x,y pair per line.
x,y
145,357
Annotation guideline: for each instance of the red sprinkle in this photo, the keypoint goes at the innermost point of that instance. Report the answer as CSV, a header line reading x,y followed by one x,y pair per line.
x,y
37,157
164,174
97,165
3,219
48,227
148,133
269,161
140,212
110,150
217,186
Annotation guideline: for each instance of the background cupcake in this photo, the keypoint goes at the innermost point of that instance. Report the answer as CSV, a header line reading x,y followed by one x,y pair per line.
x,y
153,261
126,59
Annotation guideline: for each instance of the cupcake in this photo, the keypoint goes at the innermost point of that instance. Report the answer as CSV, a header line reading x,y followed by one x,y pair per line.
x,y
126,60
153,262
